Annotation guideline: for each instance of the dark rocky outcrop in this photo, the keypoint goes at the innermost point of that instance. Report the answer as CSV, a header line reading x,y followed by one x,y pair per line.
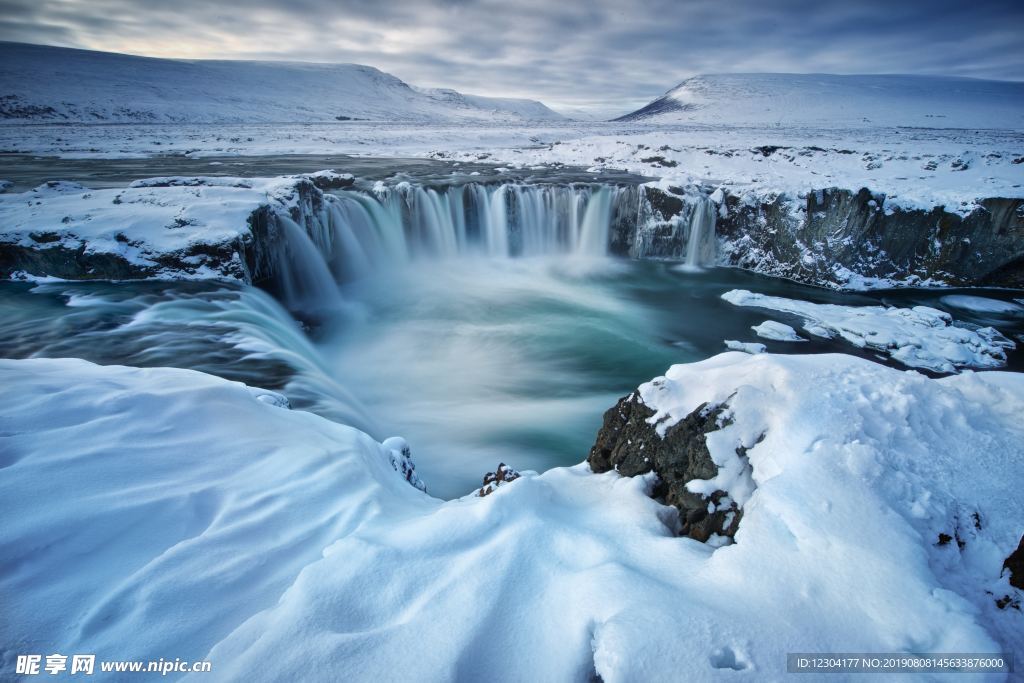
x,y
1015,565
662,105
332,180
80,263
628,443
831,230
250,258
492,480
832,234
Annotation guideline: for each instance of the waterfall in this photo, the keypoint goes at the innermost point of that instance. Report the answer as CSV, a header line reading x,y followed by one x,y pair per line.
x,y
700,246
496,216
395,225
353,233
306,282
596,224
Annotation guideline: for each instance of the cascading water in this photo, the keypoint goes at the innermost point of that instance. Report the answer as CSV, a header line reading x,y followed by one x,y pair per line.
x,y
596,224
394,225
700,247
305,280
688,235
225,329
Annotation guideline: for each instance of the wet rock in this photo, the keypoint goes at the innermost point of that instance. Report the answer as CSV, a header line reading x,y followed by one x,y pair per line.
x,y
628,443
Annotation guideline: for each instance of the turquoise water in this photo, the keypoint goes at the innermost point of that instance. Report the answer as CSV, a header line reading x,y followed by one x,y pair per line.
x,y
474,361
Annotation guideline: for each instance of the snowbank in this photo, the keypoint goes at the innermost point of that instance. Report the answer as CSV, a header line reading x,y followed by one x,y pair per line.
x,y
149,512
178,227
918,337
156,513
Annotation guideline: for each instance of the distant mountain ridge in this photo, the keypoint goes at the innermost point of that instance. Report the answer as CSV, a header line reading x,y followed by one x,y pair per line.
x,y
40,83
838,101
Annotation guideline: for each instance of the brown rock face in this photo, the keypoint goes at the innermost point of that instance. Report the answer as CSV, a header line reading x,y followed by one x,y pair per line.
x,y
629,444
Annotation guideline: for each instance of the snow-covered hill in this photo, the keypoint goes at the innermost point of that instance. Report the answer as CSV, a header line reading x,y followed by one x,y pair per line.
x,y
51,84
825,100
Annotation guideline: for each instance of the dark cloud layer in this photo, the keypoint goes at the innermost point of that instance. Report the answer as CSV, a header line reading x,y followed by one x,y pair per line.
x,y
611,55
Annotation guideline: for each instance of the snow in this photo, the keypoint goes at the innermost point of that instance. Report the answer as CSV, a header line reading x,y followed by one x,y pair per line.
x,y
920,141
43,83
918,337
745,347
981,304
767,99
776,331
204,522
148,219
159,508
917,166
199,518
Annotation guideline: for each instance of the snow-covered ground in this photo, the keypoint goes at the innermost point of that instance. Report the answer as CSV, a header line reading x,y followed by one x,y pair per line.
x,y
148,220
914,168
918,337
44,83
167,513
920,141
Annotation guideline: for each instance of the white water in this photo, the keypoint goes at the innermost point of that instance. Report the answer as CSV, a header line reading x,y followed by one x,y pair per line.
x,y
305,280
471,319
596,224
360,232
700,247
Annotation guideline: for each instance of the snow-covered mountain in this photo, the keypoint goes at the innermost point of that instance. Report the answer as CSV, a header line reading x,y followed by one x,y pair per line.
x,y
839,101
52,84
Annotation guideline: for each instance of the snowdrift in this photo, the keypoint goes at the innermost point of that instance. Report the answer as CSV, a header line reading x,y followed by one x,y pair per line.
x,y
166,513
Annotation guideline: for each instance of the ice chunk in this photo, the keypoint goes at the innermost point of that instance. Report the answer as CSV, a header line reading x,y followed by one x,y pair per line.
x,y
776,331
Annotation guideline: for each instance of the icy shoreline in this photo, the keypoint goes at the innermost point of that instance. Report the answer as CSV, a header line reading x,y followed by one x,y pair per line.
x,y
918,337
270,530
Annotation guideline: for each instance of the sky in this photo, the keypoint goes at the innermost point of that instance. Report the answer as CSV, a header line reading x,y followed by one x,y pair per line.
x,y
598,56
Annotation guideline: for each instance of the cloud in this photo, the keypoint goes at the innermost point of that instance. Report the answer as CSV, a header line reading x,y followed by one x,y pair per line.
x,y
611,55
